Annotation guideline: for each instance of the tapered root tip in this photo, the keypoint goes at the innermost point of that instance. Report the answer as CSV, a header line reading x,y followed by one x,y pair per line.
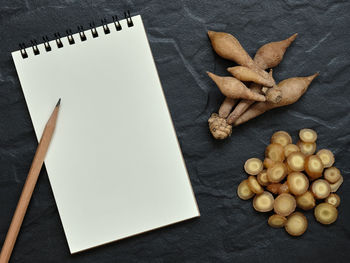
x,y
291,38
210,74
312,77
58,103
211,33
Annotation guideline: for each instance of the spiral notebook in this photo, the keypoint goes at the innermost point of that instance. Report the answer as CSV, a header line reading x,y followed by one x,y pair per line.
x,y
114,163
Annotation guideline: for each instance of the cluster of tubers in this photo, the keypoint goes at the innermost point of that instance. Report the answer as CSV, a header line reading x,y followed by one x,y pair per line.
x,y
263,93
292,172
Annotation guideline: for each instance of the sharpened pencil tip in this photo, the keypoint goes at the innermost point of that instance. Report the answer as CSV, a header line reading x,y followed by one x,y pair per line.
x,y
58,103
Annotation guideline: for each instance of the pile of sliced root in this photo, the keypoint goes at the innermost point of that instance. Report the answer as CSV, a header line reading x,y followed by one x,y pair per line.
x,y
293,176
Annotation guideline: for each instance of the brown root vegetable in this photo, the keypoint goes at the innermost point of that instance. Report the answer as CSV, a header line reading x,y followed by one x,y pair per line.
x,y
333,199
298,183
281,137
332,175
284,204
235,89
271,54
276,173
246,74
296,161
226,107
292,89
274,95
253,166
290,148
243,190
263,202
277,221
296,224
262,178
254,185
307,148
306,201
243,105
275,152
326,157
219,127
313,166
274,188
268,163
326,213
320,189
228,47
284,188
336,185
307,135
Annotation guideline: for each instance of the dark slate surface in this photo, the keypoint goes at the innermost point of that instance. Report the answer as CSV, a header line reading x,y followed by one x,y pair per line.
x,y
229,230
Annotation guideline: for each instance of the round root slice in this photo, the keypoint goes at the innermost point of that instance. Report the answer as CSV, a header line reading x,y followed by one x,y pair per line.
x,y
296,224
262,178
326,157
243,191
268,163
284,204
275,152
307,148
313,166
307,135
320,189
335,186
254,185
326,213
333,199
332,175
276,173
277,221
284,188
281,137
290,148
298,183
306,201
274,188
296,161
253,166
263,202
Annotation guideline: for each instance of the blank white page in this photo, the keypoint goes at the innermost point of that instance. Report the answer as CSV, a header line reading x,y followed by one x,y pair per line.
x,y
114,163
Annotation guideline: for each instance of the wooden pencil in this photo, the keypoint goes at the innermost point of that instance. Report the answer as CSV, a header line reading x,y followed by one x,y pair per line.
x,y
28,187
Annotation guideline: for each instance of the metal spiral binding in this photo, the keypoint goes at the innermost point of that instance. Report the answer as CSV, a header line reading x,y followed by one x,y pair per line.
x,y
69,35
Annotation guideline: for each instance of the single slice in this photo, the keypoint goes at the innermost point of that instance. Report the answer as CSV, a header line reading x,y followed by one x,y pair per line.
x,y
262,178
263,202
274,188
290,148
306,201
326,213
284,204
296,224
332,175
254,185
284,188
275,152
268,163
281,137
333,199
320,189
277,221
276,173
307,148
313,166
296,161
298,183
243,190
253,166
307,135
335,186
326,157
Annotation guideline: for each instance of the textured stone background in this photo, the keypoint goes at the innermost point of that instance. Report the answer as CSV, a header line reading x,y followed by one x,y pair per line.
x,y
229,230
